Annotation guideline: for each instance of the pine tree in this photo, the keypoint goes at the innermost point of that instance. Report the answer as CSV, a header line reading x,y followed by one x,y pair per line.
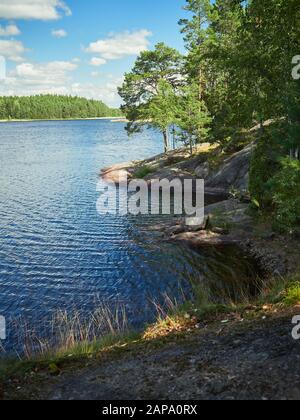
x,y
192,117
144,83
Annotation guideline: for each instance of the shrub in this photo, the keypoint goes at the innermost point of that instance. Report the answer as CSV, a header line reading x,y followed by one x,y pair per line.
x,y
292,294
265,163
285,190
142,172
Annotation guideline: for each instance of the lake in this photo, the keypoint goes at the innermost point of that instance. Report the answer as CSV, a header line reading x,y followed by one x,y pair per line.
x,y
56,251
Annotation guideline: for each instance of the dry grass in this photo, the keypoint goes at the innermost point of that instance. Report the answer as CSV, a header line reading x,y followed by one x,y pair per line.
x,y
72,332
273,296
76,335
169,320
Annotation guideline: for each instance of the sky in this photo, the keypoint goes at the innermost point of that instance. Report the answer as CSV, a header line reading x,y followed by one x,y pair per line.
x,y
80,47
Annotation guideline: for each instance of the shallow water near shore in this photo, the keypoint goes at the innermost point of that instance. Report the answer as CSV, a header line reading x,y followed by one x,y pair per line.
x,y
58,253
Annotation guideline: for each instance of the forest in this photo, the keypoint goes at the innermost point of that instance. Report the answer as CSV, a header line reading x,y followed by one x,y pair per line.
x,y
240,70
40,107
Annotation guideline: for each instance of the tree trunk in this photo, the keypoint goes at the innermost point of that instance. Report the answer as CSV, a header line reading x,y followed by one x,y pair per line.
x,y
262,126
200,84
166,140
294,153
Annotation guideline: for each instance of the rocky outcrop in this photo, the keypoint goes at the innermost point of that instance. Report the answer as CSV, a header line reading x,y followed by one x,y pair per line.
x,y
213,232
235,211
118,173
233,173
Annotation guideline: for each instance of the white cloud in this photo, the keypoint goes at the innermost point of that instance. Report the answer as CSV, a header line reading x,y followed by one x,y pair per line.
x,y
54,72
97,62
107,92
13,50
59,33
33,9
9,30
120,45
56,78
29,78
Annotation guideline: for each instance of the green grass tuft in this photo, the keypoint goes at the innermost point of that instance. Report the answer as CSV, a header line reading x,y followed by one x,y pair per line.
x,y
142,172
291,295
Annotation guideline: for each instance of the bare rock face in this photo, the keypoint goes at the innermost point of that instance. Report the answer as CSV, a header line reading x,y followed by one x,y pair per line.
x,y
234,172
117,177
203,171
235,211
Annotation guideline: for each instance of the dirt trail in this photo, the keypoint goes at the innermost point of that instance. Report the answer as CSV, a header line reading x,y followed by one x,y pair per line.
x,y
250,360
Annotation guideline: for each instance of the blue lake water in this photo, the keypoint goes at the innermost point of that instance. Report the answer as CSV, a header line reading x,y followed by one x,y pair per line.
x,y
56,251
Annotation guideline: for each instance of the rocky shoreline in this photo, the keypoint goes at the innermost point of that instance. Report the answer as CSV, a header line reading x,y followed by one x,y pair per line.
x,y
213,352
228,220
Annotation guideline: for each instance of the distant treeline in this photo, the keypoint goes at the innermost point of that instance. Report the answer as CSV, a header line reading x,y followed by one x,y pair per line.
x,y
52,107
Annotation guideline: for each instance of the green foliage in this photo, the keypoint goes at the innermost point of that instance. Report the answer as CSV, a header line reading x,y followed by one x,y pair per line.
x,y
264,165
291,295
282,291
146,91
292,125
192,116
162,107
285,191
236,74
142,172
41,107
275,182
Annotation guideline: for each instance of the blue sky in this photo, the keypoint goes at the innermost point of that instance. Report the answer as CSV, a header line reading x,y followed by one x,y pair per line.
x,y
80,47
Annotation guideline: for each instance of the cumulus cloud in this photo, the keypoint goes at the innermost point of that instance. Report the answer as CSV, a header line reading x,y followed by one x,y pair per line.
x,y
57,78
33,9
107,92
120,45
97,62
59,33
12,50
9,30
54,72
31,78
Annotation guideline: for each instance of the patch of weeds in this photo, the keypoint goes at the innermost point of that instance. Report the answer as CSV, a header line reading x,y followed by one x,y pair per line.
x,y
291,295
220,220
171,324
59,360
273,294
282,291
9,367
142,172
